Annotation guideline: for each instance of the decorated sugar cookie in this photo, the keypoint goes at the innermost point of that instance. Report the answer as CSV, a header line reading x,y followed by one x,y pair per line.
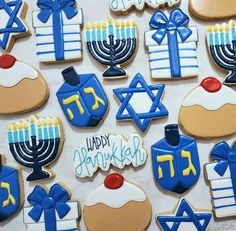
x,y
11,190
209,110
131,108
175,160
172,46
221,174
100,152
58,30
123,6
185,217
222,43
82,99
212,9
12,26
22,88
113,44
117,205
51,210
36,143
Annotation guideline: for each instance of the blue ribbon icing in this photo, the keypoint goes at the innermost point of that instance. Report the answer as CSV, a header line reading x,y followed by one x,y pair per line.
x,y
226,157
172,27
49,204
55,8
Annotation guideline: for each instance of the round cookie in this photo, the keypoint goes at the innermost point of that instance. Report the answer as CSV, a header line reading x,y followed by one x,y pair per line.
x,y
212,9
117,205
22,88
209,110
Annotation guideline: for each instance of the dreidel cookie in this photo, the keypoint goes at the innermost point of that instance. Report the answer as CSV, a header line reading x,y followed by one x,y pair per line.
x,y
117,205
209,110
22,88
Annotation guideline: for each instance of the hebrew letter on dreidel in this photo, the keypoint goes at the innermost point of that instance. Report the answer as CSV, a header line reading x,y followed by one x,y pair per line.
x,y
10,198
97,99
166,158
73,99
186,172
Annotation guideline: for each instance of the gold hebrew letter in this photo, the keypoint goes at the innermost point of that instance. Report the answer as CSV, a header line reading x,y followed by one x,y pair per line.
x,y
166,158
10,197
186,172
73,99
97,99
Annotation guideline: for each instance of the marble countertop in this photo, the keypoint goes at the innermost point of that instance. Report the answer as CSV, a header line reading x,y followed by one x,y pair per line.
x,y
198,196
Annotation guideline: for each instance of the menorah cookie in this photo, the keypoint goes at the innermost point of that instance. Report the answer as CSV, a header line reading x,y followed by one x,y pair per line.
x,y
212,9
209,110
175,161
117,205
172,46
112,44
58,30
221,43
100,152
185,217
51,210
22,88
12,14
11,190
124,6
143,113
82,99
36,143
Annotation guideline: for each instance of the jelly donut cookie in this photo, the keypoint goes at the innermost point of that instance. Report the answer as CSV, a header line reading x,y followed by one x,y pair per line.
x,y
12,14
209,110
22,88
117,205
36,143
212,9
124,6
11,190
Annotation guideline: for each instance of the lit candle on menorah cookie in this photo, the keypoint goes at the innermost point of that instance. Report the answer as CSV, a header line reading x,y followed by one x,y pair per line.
x,y
113,44
36,143
222,46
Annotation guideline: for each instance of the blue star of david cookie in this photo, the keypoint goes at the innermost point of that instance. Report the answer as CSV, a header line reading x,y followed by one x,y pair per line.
x,y
12,25
186,218
141,102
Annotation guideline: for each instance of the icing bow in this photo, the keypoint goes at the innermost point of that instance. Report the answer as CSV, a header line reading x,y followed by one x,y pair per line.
x,y
49,203
226,157
177,22
49,6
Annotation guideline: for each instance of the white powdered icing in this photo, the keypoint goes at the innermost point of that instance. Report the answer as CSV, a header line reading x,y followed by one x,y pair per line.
x,y
210,101
115,198
12,76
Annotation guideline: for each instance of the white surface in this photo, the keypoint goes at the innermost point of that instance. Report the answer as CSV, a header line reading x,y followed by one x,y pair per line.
x,y
162,201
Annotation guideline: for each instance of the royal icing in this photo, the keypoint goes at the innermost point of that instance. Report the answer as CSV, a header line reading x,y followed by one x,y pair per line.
x,y
125,5
185,218
115,198
58,33
11,24
112,44
11,190
172,46
51,210
151,107
36,143
221,43
82,99
221,174
100,152
175,160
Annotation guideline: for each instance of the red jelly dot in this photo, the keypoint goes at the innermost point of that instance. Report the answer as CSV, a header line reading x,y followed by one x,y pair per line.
x,y
114,181
7,61
211,84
